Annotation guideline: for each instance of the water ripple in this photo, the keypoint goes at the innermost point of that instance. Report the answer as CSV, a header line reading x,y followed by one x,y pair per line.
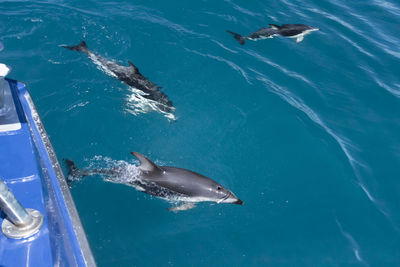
x,y
378,32
146,14
346,146
243,10
294,8
221,59
354,245
224,47
360,33
21,33
394,90
225,17
388,6
358,47
290,73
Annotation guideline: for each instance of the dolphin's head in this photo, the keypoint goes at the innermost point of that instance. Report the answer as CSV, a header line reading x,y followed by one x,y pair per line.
x,y
199,187
220,194
229,197
312,29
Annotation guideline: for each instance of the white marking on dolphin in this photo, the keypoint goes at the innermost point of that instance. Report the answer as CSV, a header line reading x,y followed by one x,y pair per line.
x,y
130,75
297,31
174,184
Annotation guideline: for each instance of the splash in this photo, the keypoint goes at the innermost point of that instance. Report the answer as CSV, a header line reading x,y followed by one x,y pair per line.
x,y
137,103
4,70
116,171
78,105
122,172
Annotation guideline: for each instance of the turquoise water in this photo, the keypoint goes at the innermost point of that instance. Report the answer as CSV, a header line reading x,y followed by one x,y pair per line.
x,y
307,134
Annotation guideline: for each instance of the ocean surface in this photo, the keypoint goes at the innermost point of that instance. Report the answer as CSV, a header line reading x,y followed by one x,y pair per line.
x,y
306,134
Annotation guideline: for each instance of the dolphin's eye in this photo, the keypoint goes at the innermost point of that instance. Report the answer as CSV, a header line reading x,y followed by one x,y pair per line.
x,y
219,188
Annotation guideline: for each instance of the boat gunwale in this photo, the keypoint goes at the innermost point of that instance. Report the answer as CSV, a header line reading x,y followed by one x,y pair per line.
x,y
61,190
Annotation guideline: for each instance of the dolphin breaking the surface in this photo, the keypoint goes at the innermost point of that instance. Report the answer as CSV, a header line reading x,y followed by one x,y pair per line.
x,y
132,77
175,184
297,31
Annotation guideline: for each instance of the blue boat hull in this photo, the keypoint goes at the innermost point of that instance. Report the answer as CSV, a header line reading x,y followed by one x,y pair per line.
x,y
29,167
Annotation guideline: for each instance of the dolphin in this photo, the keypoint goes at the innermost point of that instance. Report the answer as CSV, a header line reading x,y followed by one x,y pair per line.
x,y
297,31
131,76
171,183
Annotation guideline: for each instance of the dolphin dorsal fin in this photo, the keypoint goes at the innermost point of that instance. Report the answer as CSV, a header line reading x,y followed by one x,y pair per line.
x,y
145,164
274,26
133,66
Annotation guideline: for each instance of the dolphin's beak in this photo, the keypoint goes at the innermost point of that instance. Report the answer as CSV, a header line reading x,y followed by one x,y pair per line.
x,y
239,202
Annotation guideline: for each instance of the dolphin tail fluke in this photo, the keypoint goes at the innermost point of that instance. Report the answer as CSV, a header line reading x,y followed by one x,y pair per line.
x,y
81,47
238,37
73,172
72,169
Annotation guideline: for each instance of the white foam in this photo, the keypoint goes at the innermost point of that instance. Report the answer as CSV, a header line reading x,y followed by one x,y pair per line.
x,y
182,207
136,104
79,104
100,66
3,70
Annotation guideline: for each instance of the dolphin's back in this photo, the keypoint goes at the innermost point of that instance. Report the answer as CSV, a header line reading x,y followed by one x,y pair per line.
x,y
263,32
132,77
292,29
181,181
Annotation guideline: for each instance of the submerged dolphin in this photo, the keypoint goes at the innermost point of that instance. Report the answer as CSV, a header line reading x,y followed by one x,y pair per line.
x,y
297,31
182,185
129,75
